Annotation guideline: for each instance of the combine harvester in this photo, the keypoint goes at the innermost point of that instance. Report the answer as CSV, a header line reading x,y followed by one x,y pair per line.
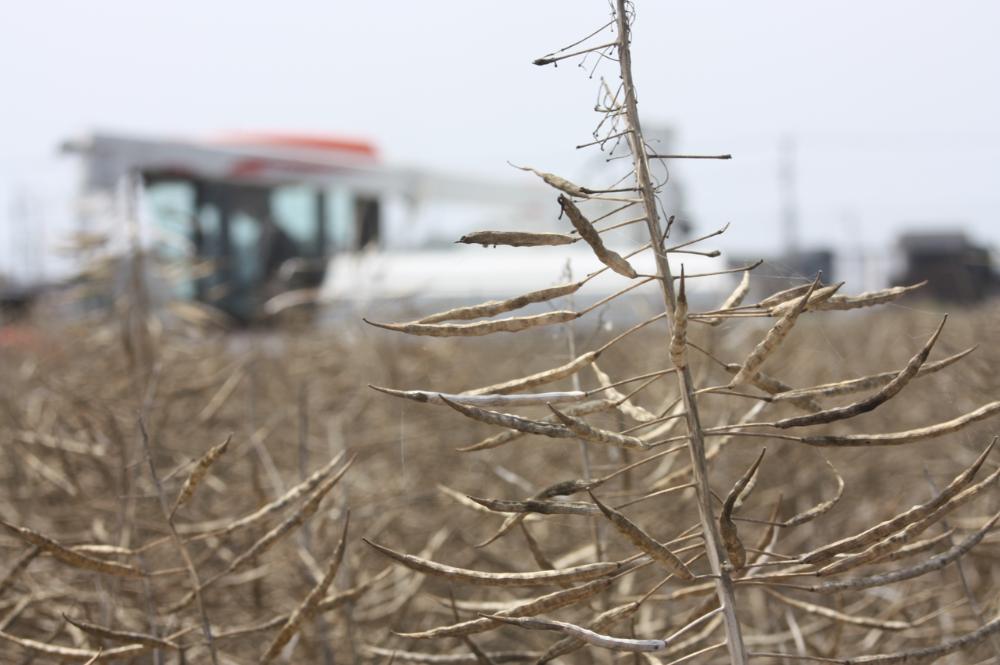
x,y
261,223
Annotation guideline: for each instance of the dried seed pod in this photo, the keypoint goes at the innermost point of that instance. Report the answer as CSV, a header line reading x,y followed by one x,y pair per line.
x,y
657,551
547,603
510,421
511,325
19,566
516,239
890,526
821,294
908,436
883,547
727,528
69,556
122,636
62,654
430,397
866,382
588,432
784,296
870,403
199,472
934,563
497,657
584,573
735,298
539,378
829,613
821,508
309,605
868,299
584,634
286,499
560,183
512,435
587,231
678,335
771,340
633,411
601,622
494,307
539,506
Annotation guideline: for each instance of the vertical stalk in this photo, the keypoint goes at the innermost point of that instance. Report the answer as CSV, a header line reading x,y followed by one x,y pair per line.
x,y
696,440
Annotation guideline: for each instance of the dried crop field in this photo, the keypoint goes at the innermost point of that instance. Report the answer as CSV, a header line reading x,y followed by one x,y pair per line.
x,y
88,544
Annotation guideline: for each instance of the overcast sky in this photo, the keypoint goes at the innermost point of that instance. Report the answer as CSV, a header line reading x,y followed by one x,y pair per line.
x,y
894,105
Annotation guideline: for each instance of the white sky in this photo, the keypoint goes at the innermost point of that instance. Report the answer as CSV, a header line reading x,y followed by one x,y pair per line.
x,y
894,104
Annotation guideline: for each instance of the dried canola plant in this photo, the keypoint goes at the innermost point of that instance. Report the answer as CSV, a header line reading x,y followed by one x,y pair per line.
x,y
689,584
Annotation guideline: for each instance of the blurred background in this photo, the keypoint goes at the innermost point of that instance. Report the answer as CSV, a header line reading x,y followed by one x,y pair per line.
x,y
265,140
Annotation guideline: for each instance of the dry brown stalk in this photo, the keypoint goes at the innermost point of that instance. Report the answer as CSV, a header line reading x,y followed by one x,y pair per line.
x,y
590,235
310,604
516,239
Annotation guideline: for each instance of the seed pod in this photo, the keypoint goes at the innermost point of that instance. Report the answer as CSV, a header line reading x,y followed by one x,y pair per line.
x,y
510,421
678,336
539,378
69,556
868,299
730,535
735,298
657,551
820,295
587,231
547,603
872,402
908,436
511,325
512,435
430,397
588,432
772,339
584,573
199,473
516,239
866,382
494,307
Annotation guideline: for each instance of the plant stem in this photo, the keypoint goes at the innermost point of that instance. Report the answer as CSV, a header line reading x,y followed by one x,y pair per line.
x,y
696,441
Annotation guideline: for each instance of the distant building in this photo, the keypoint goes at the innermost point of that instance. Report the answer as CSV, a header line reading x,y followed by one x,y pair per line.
x,y
956,269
